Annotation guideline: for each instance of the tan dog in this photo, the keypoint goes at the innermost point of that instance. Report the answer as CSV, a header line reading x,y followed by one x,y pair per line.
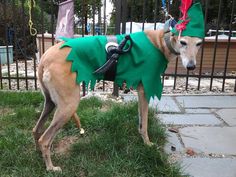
x,y
60,90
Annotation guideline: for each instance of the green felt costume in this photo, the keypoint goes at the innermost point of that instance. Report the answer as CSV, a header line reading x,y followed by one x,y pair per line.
x,y
195,26
143,64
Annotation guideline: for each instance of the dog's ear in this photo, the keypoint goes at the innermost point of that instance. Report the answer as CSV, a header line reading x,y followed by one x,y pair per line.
x,y
173,39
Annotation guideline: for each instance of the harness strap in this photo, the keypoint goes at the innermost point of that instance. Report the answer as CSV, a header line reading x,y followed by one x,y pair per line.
x,y
169,45
110,74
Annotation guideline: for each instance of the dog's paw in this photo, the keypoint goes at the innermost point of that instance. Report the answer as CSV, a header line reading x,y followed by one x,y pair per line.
x,y
149,143
55,169
81,131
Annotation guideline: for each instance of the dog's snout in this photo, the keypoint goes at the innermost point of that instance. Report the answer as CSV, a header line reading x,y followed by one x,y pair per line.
x,y
191,65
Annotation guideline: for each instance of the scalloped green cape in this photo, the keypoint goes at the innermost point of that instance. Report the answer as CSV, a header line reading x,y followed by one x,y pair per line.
x,y
143,64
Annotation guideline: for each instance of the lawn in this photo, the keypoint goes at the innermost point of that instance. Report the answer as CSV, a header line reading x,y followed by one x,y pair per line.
x,y
110,147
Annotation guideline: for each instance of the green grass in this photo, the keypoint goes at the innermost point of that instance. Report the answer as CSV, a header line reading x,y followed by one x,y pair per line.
x,y
111,146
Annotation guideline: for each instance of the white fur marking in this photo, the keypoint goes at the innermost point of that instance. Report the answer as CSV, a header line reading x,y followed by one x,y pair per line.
x,y
46,76
49,85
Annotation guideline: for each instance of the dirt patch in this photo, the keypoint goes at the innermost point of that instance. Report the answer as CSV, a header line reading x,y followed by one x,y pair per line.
x,y
105,108
63,146
5,110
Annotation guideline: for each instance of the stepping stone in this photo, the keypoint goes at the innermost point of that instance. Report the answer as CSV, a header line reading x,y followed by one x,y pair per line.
x,y
167,103
173,141
216,140
198,111
228,115
209,167
189,119
207,101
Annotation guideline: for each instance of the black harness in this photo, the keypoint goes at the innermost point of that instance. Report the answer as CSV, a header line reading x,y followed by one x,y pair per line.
x,y
113,52
110,74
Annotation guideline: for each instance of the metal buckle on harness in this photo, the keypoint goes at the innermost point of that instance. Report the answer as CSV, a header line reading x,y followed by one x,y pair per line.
x,y
111,46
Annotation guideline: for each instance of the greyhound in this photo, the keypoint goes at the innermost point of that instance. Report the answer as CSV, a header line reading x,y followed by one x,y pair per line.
x,y
60,90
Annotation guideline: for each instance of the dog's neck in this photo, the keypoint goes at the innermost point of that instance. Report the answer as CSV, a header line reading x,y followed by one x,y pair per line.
x,y
169,43
157,38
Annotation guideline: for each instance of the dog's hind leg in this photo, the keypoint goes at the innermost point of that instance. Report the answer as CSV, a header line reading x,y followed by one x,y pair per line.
x,y
61,116
143,115
47,109
66,98
77,122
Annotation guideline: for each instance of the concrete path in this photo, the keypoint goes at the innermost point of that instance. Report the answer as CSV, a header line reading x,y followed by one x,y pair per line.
x,y
202,133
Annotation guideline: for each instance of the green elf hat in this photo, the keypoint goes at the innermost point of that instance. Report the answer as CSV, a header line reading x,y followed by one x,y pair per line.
x,y
193,24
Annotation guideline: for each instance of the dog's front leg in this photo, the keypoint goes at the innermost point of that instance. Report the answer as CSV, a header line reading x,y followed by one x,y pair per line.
x,y
143,115
77,122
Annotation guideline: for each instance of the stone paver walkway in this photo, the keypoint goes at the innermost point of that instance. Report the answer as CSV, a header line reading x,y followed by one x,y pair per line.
x,y
201,132
204,137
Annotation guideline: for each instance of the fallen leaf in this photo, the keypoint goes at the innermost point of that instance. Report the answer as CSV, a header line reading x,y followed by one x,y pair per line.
x,y
173,130
190,151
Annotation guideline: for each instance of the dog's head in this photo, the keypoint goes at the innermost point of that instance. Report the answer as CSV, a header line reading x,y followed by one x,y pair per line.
x,y
188,33
187,47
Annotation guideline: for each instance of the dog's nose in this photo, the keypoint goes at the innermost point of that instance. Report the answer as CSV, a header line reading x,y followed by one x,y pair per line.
x,y
191,65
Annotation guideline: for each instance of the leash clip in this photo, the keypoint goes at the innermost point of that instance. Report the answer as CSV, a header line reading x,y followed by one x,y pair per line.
x,y
169,24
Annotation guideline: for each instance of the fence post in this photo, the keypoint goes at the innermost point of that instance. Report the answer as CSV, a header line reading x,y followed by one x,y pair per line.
x,y
121,14
118,5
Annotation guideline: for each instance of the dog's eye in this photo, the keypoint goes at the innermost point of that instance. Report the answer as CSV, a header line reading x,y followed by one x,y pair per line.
x,y
199,44
183,43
